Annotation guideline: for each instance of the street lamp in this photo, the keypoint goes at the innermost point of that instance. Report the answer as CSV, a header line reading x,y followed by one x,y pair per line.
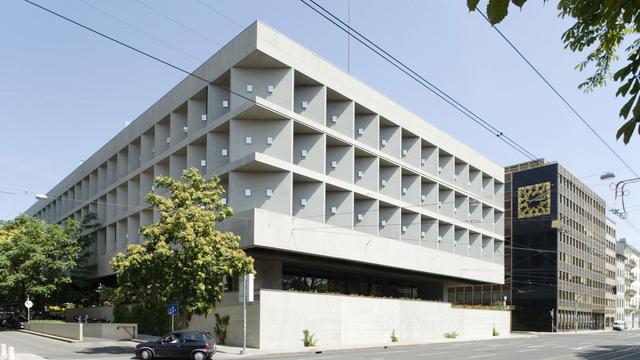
x,y
608,175
41,197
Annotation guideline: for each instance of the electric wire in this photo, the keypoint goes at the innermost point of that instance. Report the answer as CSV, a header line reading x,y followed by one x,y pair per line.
x,y
564,100
417,77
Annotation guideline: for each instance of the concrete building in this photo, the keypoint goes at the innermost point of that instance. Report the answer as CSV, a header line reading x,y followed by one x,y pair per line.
x,y
611,276
335,189
631,283
559,266
620,282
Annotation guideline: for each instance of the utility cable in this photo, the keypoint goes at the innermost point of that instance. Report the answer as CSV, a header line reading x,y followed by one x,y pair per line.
x,y
564,100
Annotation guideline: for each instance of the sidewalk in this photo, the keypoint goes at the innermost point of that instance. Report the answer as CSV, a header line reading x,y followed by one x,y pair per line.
x,y
233,352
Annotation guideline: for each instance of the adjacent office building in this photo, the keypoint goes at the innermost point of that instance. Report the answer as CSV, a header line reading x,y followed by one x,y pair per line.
x,y
629,284
560,266
611,285
335,189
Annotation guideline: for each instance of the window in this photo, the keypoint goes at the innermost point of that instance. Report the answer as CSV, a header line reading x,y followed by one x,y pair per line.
x,y
248,140
249,88
247,192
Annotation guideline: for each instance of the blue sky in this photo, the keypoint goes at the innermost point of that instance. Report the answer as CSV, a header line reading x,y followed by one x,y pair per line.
x,y
64,92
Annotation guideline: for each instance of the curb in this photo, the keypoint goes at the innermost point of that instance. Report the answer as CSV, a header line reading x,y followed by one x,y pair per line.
x,y
383,346
59,338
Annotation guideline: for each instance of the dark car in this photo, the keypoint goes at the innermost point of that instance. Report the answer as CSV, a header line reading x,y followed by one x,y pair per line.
x,y
196,345
15,322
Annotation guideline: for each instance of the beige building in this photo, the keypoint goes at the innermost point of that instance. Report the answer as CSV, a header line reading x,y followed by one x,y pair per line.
x,y
631,283
610,271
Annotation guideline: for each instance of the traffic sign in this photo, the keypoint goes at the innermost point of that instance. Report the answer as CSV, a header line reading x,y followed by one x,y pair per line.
x,y
172,309
28,304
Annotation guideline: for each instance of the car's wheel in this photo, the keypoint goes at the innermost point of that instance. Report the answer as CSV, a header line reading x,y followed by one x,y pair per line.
x,y
199,355
146,354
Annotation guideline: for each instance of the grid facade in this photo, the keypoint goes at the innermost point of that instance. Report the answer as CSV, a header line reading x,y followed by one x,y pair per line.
x,y
287,138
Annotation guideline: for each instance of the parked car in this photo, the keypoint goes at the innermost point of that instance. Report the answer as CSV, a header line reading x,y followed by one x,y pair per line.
x,y
618,325
14,322
196,345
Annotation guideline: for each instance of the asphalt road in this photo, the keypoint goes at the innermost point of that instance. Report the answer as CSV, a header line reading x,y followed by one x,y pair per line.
x,y
592,346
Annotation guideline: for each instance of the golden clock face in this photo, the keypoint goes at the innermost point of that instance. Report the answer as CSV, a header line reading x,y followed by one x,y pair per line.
x,y
534,200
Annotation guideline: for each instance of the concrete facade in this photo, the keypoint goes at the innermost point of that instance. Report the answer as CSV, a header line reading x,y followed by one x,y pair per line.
x,y
338,320
331,182
611,276
630,290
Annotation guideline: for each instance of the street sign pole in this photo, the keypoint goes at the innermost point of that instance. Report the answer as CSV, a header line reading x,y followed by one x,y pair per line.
x,y
172,310
28,304
244,313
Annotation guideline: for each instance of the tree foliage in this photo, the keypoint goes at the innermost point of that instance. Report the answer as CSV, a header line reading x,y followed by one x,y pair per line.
x,y
36,258
600,28
184,258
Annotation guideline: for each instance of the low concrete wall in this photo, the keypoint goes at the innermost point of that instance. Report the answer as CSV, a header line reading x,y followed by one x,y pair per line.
x,y
232,307
277,320
115,331
338,320
98,312
66,330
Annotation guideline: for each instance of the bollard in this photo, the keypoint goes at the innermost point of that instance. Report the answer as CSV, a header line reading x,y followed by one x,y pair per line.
x,y
3,351
12,353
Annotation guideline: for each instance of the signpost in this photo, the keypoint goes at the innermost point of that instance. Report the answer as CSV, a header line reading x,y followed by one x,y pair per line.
x,y
28,304
172,310
246,295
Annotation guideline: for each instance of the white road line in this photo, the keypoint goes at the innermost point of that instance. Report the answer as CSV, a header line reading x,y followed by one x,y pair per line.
x,y
527,350
431,354
479,356
624,356
499,345
389,352
559,346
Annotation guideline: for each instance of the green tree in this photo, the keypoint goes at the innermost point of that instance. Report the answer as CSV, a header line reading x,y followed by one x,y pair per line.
x,y
81,290
36,258
600,28
184,258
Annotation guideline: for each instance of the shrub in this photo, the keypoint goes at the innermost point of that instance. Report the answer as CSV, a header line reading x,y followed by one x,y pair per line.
x,y
495,332
451,335
147,318
394,338
308,338
220,330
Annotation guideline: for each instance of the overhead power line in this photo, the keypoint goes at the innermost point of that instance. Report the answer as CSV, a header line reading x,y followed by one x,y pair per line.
x,y
421,80
564,100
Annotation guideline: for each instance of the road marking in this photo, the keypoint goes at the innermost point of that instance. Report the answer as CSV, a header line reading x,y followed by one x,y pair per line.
x,y
479,356
528,350
431,354
499,345
389,352
559,346
624,356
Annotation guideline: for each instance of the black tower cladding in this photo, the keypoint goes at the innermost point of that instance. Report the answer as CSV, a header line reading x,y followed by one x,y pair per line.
x,y
557,272
534,246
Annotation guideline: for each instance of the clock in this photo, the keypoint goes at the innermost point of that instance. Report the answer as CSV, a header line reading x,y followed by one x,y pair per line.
x,y
534,200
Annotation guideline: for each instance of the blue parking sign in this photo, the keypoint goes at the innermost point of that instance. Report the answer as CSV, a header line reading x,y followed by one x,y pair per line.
x,y
172,309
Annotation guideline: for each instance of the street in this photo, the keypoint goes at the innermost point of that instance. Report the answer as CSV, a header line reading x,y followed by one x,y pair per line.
x,y
601,346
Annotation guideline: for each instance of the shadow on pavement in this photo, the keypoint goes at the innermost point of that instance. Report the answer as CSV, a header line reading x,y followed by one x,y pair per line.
x,y
111,350
604,352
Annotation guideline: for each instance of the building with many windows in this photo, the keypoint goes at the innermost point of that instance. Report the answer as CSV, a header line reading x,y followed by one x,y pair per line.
x,y
610,270
335,189
556,255
630,292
